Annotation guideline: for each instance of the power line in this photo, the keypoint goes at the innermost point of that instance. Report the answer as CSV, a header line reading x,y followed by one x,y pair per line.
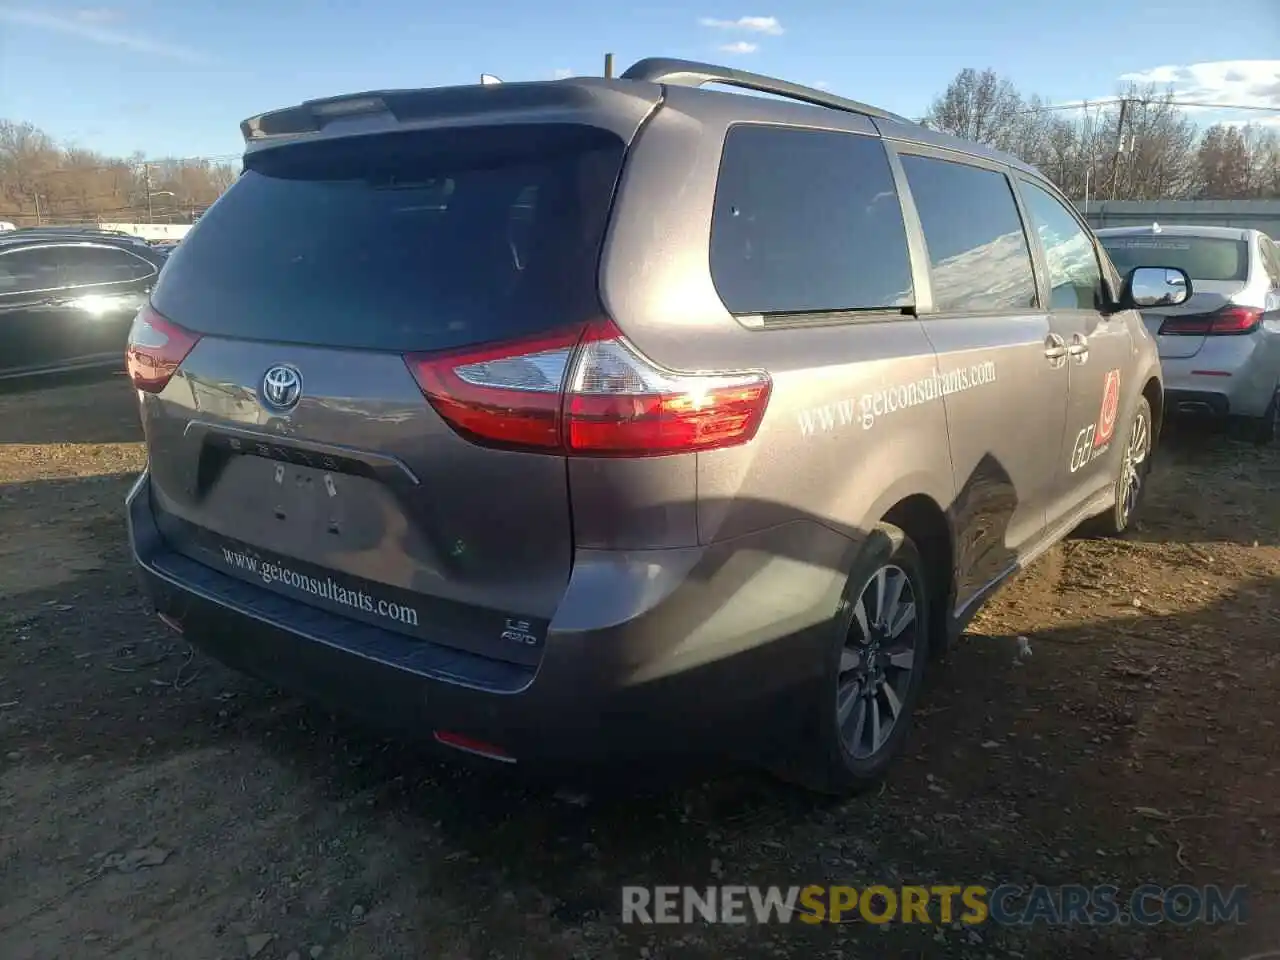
x,y
1151,101
1155,101
1081,105
1226,106
218,159
135,165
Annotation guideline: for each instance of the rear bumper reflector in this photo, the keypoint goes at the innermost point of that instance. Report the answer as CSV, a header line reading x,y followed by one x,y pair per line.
x,y
1210,373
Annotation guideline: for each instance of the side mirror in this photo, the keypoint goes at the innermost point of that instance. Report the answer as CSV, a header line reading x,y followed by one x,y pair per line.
x,y
1154,287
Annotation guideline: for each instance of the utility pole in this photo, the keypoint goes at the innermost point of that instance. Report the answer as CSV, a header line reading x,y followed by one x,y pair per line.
x,y
146,179
1091,157
1115,160
608,66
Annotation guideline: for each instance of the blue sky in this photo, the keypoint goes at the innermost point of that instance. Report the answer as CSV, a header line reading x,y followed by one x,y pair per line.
x,y
175,79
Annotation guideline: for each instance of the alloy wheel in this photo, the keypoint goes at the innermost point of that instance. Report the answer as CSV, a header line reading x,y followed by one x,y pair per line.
x,y
877,663
1131,469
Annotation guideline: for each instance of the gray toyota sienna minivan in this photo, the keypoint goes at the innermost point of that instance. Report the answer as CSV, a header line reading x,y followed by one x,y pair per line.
x,y
603,418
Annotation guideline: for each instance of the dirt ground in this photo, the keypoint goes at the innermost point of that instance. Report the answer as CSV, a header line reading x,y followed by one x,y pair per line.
x,y
153,804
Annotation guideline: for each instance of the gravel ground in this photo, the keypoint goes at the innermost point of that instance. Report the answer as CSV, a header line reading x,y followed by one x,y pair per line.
x,y
154,804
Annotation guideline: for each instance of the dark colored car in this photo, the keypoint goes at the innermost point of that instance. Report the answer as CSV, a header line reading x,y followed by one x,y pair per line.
x,y
68,297
583,419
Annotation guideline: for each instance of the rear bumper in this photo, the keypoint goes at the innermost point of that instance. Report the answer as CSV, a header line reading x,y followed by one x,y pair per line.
x,y
1231,376
1197,403
694,671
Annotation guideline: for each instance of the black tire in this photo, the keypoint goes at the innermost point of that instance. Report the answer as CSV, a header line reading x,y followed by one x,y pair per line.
x,y
1139,442
1267,427
826,760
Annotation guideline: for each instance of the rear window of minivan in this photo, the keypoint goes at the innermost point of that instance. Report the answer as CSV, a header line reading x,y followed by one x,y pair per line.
x,y
1209,259
402,242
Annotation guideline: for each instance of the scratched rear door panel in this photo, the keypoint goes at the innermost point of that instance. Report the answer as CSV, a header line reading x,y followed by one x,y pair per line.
x,y
361,499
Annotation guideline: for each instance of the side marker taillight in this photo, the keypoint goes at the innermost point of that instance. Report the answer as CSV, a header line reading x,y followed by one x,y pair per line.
x,y
155,349
589,392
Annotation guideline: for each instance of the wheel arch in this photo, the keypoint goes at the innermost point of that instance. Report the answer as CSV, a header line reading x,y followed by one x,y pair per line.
x,y
922,519
1153,390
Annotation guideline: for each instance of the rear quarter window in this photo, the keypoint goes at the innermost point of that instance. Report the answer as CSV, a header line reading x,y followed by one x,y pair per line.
x,y
28,270
807,221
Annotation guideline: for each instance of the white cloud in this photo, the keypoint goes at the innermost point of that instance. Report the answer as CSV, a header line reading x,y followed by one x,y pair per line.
x,y
1206,91
740,46
1254,120
769,25
73,26
99,15
563,73
1218,85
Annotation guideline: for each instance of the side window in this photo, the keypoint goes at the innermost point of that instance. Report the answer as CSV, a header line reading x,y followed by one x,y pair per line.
x,y
25,271
978,253
1271,257
1074,274
83,266
807,221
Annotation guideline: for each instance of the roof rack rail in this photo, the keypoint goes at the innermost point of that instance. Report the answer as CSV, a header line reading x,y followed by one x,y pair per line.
x,y
691,73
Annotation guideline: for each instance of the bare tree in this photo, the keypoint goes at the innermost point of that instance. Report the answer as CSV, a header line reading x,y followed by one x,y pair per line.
x,y
1140,146
1223,164
1266,164
980,106
41,182
26,154
1156,148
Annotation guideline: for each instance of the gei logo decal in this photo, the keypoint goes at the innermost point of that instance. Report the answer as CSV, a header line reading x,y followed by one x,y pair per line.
x,y
1095,439
1110,409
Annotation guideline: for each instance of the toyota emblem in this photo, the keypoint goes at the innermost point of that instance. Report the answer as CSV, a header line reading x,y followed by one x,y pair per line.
x,y
282,387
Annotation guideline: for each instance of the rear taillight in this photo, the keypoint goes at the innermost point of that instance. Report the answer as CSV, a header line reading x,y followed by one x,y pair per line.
x,y
156,349
588,392
1224,322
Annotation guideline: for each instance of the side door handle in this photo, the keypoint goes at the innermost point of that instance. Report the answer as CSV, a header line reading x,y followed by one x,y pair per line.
x,y
1079,348
1055,348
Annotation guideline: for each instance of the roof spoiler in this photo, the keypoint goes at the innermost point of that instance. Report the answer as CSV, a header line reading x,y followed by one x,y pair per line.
x,y
393,107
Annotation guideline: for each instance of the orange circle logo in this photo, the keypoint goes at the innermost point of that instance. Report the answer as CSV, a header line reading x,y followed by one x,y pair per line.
x,y
1110,409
